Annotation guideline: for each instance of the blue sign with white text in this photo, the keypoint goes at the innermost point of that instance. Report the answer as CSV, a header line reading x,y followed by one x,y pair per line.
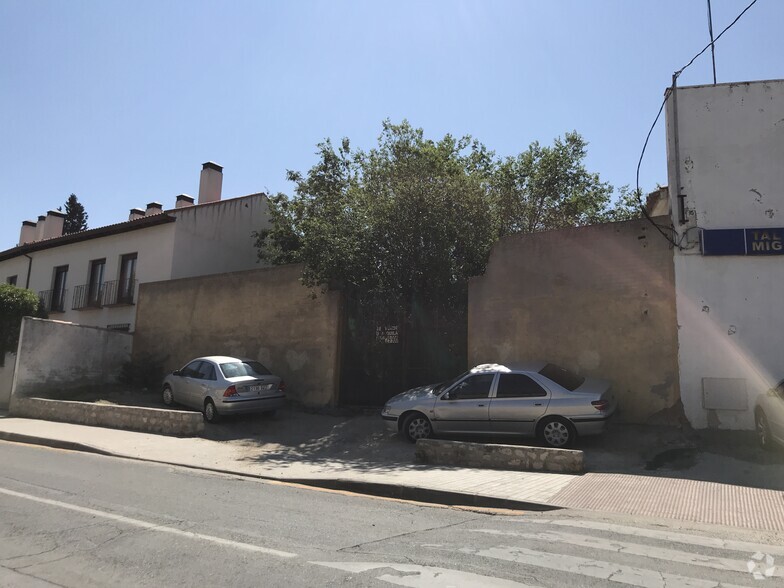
x,y
768,241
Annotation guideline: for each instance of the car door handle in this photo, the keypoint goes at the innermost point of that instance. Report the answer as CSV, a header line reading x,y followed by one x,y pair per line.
x,y
537,404
480,404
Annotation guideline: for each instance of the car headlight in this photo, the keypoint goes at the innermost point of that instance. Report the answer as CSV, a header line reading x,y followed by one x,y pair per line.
x,y
387,409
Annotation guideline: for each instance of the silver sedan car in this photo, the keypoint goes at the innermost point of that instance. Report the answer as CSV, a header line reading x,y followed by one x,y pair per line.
x,y
220,385
537,399
769,417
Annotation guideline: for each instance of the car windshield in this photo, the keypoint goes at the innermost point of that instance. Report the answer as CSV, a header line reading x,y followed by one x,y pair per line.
x,y
237,369
438,388
562,376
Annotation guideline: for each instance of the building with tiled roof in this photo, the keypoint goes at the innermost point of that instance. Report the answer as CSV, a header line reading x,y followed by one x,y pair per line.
x,y
92,277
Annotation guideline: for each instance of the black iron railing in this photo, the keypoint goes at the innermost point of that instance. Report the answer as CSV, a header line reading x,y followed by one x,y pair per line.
x,y
53,300
87,297
118,292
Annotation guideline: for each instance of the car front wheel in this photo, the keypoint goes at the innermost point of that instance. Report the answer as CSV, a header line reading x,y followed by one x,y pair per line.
x,y
168,398
557,432
416,426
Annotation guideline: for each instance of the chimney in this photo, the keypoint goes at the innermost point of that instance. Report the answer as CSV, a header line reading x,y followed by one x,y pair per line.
x,y
184,200
39,228
154,208
27,234
210,183
135,213
54,224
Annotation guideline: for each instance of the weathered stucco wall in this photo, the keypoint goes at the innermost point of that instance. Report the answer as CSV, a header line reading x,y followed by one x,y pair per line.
x,y
218,237
6,379
263,314
56,358
599,300
728,167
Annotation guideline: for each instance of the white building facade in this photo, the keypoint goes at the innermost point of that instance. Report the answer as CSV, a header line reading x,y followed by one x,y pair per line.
x,y
725,148
92,277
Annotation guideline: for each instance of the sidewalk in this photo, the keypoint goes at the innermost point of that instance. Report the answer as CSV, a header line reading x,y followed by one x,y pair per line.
x,y
680,499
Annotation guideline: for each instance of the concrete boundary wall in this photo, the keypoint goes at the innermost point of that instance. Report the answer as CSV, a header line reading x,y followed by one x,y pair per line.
x,y
131,418
599,300
499,457
56,358
264,314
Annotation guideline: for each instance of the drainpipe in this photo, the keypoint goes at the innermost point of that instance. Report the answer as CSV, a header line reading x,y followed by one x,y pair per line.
x,y
677,155
29,266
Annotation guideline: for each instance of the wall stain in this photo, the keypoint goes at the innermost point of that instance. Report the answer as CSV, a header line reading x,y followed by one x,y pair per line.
x,y
757,192
732,330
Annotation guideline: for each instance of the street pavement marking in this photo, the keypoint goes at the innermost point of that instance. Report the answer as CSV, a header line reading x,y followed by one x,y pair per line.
x,y
689,539
685,557
595,568
417,576
149,526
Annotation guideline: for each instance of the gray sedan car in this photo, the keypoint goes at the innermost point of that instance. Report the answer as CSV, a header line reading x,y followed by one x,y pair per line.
x,y
220,385
769,417
537,399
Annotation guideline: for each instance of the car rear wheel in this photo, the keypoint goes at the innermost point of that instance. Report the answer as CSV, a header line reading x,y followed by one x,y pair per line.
x,y
416,426
557,432
763,430
168,398
210,412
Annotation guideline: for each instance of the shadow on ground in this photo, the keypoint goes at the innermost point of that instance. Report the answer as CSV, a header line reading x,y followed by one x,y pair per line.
x,y
333,442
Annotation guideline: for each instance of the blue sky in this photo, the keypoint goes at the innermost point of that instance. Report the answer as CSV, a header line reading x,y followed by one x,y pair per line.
x,y
121,102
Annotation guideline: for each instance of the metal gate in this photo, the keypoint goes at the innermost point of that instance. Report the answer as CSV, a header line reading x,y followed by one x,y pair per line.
x,y
384,353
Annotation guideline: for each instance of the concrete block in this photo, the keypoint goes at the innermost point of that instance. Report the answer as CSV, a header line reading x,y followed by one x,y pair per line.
x,y
132,418
499,457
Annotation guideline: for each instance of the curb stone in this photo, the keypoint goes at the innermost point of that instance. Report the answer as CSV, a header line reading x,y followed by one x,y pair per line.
x,y
402,492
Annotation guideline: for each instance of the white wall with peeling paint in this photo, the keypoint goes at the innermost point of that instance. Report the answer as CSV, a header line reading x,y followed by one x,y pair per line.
x,y
730,157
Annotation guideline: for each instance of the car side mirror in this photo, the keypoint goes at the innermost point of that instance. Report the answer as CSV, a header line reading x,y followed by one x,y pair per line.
x,y
176,373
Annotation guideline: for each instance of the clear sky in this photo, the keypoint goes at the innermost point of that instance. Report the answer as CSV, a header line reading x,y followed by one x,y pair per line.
x,y
121,102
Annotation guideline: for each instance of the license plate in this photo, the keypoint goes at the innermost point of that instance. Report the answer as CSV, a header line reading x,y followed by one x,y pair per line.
x,y
257,388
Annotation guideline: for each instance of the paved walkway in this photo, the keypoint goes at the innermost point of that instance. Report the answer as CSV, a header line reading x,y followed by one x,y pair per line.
x,y
687,500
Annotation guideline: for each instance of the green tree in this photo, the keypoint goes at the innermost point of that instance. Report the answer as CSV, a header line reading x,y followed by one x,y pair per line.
x,y
15,303
626,207
75,216
415,218
411,217
549,187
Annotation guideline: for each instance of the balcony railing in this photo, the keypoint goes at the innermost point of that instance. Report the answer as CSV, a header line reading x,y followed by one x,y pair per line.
x,y
118,292
86,297
53,300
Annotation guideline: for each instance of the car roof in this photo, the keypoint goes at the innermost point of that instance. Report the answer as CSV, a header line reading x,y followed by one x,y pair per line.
x,y
221,359
510,366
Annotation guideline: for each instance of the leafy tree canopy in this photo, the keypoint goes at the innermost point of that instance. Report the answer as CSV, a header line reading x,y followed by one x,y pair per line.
x,y
75,216
416,217
15,303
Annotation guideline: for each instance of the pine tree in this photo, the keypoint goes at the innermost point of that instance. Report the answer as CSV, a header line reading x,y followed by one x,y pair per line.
x,y
75,216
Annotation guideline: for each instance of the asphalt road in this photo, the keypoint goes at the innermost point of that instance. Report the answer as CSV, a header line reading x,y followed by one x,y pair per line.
x,y
73,519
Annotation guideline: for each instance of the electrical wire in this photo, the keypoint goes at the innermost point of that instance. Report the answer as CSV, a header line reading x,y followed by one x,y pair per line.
x,y
667,95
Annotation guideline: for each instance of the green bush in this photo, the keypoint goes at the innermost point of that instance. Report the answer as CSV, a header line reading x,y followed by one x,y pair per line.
x,y
15,303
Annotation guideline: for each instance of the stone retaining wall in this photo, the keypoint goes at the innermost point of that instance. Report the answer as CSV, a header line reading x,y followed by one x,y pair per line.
x,y
131,418
499,457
